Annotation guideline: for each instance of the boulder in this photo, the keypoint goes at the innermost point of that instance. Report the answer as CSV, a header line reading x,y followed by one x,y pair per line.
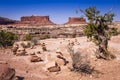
x,y
35,59
6,73
52,67
32,53
61,60
15,48
21,49
38,52
55,68
20,52
44,48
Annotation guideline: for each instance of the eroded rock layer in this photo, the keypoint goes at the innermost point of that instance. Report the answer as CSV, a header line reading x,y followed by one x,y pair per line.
x,y
76,20
35,20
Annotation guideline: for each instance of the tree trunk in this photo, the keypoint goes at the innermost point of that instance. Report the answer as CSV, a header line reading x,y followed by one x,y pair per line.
x,y
102,50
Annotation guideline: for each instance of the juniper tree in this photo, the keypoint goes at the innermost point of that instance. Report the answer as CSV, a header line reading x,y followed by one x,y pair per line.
x,y
98,30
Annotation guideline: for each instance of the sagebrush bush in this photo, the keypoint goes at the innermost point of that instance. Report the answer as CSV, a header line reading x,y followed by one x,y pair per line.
x,y
34,41
79,63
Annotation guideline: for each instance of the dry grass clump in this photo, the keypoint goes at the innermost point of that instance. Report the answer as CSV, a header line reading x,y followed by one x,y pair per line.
x,y
80,62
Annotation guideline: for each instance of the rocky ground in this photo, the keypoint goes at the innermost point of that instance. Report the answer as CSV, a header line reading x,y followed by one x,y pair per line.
x,y
27,70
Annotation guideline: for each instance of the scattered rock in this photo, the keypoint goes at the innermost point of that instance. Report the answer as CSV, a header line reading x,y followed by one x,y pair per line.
x,y
15,48
55,68
32,47
32,53
6,73
20,52
38,52
63,62
44,47
35,59
60,61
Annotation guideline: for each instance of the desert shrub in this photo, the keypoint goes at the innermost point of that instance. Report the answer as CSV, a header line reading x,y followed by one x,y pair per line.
x,y
89,30
47,36
28,37
7,38
34,41
79,63
84,68
113,31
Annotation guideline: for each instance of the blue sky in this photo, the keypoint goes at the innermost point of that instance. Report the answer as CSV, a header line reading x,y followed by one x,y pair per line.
x,y
58,10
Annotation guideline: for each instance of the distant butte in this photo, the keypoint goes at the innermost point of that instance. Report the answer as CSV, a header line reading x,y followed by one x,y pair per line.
x,y
76,20
39,21
36,20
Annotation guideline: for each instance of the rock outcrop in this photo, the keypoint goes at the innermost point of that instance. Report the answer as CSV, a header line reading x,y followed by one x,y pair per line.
x,y
53,67
18,49
6,73
35,59
20,52
35,21
76,20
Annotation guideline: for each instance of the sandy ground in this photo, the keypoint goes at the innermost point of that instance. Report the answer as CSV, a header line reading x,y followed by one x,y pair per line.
x,y
35,71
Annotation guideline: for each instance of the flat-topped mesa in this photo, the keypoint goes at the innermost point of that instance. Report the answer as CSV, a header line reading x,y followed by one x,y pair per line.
x,y
75,21
36,21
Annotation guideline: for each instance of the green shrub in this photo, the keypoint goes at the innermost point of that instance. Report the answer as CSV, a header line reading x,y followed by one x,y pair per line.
x,y
98,30
7,38
28,37
47,36
113,32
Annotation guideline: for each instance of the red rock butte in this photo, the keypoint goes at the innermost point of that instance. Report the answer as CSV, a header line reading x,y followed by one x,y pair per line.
x,y
76,20
35,21
39,21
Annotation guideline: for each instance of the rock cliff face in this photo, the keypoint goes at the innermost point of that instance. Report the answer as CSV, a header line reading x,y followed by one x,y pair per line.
x,y
76,20
38,21
35,20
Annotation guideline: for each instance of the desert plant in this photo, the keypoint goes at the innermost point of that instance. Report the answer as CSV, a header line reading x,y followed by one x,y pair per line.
x,y
34,41
47,36
99,31
7,38
28,37
113,31
79,63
